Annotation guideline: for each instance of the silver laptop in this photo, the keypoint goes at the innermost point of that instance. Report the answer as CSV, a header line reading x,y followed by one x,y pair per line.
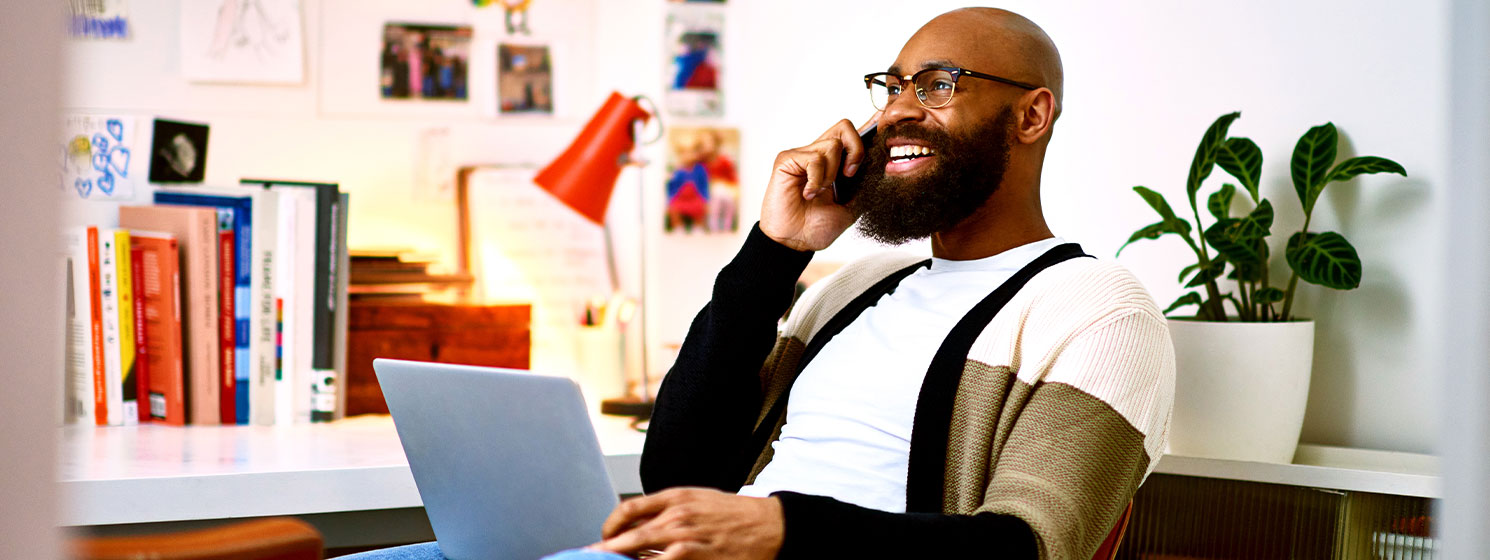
x,y
506,461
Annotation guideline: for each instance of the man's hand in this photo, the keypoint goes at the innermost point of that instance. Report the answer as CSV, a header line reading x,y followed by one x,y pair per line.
x,y
799,211
696,523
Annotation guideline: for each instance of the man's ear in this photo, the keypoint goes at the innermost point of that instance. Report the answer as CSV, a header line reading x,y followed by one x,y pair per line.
x,y
1038,112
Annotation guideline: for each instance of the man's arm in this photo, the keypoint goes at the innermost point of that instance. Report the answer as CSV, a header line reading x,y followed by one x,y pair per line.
x,y
706,409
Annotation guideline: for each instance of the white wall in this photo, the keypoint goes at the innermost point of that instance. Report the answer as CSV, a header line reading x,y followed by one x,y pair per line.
x,y
1142,82
30,332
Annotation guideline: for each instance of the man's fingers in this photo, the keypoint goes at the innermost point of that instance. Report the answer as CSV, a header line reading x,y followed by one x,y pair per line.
x,y
655,533
632,511
682,550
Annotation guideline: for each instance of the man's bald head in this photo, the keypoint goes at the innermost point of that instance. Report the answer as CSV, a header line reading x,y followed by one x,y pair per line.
x,y
998,42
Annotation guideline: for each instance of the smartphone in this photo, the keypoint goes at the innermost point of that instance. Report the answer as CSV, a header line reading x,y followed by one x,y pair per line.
x,y
844,188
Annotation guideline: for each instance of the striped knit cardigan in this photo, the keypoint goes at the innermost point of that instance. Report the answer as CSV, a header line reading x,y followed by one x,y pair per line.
x,y
1062,409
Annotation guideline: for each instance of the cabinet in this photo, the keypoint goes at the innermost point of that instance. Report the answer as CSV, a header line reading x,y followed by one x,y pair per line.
x,y
481,335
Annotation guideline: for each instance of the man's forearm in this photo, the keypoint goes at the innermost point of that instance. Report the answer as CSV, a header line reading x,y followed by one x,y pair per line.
x,y
709,401
820,527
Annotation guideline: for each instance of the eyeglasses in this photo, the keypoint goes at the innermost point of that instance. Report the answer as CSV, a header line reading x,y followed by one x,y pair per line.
x,y
934,86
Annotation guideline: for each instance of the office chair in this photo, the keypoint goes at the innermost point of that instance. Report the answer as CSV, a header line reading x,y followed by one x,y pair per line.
x,y
1109,548
264,539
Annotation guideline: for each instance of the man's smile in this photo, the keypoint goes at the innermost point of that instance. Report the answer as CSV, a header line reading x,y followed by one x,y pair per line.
x,y
906,157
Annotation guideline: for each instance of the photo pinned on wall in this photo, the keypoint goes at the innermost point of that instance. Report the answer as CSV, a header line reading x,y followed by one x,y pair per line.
x,y
525,79
695,61
242,41
98,156
703,184
178,153
98,19
425,61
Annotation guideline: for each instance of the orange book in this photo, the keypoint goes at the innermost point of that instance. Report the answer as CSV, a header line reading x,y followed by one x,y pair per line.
x,y
141,336
95,302
195,230
158,301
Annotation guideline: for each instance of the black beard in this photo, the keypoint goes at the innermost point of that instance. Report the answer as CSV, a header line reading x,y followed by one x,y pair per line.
x,y
967,170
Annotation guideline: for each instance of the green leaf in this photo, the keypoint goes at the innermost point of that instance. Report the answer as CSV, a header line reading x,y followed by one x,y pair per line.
x,y
1267,295
1349,168
1312,158
1208,273
1326,259
1205,154
1239,239
1157,202
1220,202
1241,158
1191,298
1151,231
1186,272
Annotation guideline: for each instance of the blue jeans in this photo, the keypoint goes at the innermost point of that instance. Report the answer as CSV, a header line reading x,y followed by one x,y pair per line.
x,y
431,551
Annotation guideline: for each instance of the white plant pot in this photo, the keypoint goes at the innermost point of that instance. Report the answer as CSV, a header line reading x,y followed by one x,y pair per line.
x,y
1240,389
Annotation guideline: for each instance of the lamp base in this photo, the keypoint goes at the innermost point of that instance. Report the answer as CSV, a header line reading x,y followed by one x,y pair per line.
x,y
629,405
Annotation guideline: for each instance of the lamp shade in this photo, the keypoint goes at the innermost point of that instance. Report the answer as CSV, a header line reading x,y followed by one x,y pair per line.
x,y
585,174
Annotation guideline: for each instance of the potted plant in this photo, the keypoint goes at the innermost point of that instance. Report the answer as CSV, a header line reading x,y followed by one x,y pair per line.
x,y
1244,358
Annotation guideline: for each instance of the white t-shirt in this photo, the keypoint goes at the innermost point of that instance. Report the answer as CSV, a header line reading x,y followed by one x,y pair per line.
x,y
848,427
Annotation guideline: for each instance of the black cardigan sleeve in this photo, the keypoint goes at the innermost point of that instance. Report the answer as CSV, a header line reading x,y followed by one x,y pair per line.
x,y
706,409
819,527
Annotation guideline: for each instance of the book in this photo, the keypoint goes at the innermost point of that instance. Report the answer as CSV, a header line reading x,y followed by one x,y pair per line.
x,y
141,385
255,225
227,320
124,278
78,389
309,245
95,332
158,291
195,230
108,289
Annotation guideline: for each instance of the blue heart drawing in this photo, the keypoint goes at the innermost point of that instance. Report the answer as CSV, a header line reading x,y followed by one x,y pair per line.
x,y
100,142
100,161
117,154
84,187
116,129
106,183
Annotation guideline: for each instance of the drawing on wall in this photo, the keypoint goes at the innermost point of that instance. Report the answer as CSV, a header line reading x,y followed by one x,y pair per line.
x,y
525,79
98,156
703,186
694,61
425,61
178,153
243,41
98,19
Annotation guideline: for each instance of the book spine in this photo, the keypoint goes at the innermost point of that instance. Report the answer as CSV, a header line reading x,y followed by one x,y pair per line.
x,y
263,328
229,325
141,335
324,308
79,385
108,274
95,319
200,302
172,361
124,265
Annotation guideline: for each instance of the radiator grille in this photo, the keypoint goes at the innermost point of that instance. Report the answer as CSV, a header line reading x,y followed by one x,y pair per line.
x,y
1181,517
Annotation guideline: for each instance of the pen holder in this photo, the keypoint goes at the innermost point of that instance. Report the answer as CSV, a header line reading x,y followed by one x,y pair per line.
x,y
600,361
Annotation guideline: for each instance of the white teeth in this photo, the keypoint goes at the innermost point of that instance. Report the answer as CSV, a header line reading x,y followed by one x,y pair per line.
x,y
909,151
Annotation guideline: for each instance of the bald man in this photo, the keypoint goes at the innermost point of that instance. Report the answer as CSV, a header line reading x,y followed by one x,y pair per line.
x,y
1003,399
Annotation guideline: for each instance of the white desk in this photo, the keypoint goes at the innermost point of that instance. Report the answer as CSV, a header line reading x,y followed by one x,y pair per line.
x,y
151,473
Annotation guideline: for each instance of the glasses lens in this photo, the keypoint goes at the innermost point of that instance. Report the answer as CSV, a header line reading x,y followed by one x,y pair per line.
x,y
935,88
880,93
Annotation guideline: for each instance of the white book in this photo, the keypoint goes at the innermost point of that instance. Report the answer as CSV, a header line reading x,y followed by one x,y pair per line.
x,y
263,322
295,291
108,283
78,395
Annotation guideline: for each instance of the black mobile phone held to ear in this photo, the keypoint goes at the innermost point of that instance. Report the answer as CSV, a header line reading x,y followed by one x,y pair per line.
x,y
844,188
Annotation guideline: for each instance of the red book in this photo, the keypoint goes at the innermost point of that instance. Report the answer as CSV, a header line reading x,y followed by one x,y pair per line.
x,y
227,271
162,362
100,398
142,352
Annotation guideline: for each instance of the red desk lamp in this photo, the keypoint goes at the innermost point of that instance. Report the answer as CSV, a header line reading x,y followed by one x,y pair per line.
x,y
583,178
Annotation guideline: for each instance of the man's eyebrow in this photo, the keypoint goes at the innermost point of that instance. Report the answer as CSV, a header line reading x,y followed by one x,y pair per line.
x,y
895,68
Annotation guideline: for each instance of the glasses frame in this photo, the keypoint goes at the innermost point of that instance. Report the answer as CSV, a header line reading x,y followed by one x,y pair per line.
x,y
956,72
